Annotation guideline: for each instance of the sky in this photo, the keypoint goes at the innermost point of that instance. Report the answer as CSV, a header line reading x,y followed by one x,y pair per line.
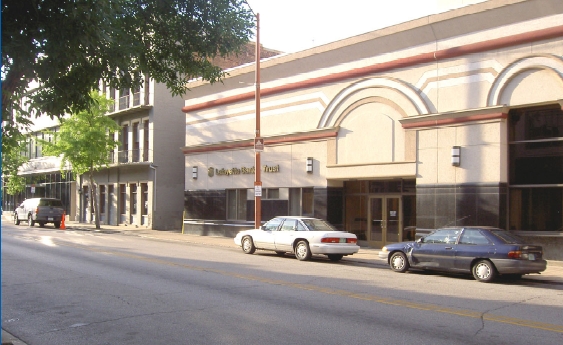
x,y
295,25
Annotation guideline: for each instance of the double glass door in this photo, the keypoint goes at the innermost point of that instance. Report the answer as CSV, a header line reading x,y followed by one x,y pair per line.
x,y
384,220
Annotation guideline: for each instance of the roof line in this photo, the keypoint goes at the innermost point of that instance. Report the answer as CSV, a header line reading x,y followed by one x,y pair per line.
x,y
409,61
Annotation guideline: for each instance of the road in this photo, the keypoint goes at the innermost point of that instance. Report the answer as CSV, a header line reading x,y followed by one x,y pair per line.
x,y
81,287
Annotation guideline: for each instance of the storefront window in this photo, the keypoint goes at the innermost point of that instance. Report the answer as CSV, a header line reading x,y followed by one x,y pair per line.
x,y
307,200
301,202
536,169
236,204
271,193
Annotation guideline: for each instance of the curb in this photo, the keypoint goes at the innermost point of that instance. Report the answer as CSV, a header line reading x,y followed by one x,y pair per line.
x,y
9,339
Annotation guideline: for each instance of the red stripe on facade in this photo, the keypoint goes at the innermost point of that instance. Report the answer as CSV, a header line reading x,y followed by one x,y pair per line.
x,y
270,141
449,53
455,120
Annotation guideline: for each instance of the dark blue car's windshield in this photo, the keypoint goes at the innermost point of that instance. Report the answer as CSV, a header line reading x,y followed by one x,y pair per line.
x,y
506,237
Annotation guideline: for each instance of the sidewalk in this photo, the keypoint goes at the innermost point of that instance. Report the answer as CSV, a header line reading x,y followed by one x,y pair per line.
x,y
366,255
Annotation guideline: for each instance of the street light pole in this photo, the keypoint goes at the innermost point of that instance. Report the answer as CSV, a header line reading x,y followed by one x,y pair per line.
x,y
257,166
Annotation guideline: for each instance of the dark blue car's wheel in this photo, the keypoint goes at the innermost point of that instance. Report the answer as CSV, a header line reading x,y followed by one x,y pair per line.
x,y
398,262
484,271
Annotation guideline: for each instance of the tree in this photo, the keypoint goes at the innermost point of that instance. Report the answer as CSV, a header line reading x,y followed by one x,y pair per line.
x,y
67,47
85,140
12,158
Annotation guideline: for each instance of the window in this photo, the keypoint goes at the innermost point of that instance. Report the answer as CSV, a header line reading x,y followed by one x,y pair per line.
x,y
301,202
289,225
474,237
536,168
124,99
145,140
307,199
124,154
133,206
318,225
135,142
272,225
236,204
447,236
271,193
102,199
122,199
145,198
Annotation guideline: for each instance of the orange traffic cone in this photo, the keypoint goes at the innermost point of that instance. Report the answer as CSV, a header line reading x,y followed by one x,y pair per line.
x,y
63,227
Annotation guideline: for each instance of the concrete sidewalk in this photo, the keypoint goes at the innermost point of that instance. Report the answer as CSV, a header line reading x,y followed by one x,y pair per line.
x,y
366,255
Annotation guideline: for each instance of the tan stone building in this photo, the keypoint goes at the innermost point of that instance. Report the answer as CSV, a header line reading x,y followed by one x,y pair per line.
x,y
451,119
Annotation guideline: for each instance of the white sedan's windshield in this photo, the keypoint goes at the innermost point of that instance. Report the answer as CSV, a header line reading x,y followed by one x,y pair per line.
x,y
318,225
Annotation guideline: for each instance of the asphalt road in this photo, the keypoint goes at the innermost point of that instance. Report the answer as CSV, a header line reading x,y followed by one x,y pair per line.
x,y
84,287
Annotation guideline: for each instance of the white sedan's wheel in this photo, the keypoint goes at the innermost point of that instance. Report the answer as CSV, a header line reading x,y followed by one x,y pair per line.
x,y
302,251
248,245
16,219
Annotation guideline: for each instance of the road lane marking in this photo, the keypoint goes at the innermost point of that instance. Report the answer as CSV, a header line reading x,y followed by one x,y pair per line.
x,y
362,296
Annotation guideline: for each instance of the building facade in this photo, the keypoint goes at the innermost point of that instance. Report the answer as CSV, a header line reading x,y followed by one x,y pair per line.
x,y
127,194
449,120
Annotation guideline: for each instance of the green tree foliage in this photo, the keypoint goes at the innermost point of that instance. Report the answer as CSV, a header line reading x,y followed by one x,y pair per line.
x,y
12,159
67,47
85,140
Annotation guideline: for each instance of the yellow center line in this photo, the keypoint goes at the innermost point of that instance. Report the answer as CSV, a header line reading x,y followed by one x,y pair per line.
x,y
366,297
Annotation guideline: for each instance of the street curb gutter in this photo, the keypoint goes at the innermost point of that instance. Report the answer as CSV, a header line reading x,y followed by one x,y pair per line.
x,y
9,339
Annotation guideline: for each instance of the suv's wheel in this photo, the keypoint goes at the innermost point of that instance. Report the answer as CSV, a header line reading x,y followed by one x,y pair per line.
x,y
30,220
57,225
16,219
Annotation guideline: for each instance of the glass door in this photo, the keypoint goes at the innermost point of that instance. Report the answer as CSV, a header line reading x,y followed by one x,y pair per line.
x,y
384,220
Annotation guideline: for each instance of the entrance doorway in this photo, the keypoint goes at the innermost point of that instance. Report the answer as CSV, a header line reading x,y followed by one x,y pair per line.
x,y
380,212
384,220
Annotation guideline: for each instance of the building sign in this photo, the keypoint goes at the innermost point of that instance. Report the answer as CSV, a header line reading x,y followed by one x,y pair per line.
x,y
241,171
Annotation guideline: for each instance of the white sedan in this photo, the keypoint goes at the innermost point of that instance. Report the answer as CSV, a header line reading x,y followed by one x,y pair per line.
x,y
301,236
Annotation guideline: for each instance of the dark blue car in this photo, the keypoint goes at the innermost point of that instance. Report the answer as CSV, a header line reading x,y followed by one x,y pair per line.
x,y
484,252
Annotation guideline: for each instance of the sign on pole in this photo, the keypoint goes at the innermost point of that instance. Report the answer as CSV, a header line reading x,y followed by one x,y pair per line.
x,y
259,144
257,188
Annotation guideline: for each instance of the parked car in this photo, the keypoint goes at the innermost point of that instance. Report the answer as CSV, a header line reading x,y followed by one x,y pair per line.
x,y
299,235
41,211
484,252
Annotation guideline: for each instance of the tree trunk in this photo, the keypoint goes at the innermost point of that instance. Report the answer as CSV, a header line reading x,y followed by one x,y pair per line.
x,y
94,198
